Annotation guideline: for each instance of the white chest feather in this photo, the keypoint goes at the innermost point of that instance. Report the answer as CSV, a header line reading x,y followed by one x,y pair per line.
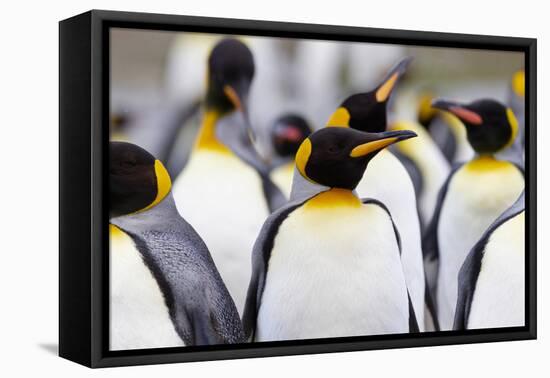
x,y
332,273
387,181
139,316
499,297
222,198
476,196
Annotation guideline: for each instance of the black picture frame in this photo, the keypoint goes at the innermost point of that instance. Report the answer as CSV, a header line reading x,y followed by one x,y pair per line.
x,y
83,114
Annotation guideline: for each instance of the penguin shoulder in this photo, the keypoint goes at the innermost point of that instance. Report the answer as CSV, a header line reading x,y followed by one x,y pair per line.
x,y
261,253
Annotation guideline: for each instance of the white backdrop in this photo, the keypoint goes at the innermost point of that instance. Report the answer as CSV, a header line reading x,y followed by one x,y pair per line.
x,y
29,186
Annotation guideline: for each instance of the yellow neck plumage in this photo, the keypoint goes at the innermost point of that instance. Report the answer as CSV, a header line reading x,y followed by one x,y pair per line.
x,y
332,198
207,139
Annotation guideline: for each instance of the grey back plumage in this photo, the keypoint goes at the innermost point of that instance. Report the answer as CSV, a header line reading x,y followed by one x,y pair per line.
x,y
230,131
200,306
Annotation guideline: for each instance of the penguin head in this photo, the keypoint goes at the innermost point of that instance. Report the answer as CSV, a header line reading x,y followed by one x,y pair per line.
x,y
230,74
490,126
337,157
287,134
137,180
367,111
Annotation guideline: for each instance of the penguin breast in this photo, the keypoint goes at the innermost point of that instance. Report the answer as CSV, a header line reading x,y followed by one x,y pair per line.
x,y
333,272
499,296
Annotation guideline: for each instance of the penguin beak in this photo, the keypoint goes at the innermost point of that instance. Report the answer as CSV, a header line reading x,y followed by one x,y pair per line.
x,y
459,110
384,89
238,95
377,141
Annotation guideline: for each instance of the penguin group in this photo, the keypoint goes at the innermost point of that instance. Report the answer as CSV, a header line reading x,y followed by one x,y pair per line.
x,y
368,223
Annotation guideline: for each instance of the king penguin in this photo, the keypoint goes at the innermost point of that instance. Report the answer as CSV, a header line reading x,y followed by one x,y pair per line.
x,y
473,196
287,134
165,290
491,282
327,263
387,180
225,191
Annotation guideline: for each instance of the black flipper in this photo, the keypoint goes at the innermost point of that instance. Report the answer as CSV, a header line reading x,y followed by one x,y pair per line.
x,y
179,120
469,272
416,177
274,197
430,304
412,169
413,323
444,138
430,244
261,253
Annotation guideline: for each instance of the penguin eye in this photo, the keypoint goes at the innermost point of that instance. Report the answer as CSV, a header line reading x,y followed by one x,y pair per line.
x,y
334,149
128,163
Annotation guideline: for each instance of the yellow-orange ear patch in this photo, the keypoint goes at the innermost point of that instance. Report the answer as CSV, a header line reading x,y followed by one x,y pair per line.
x,y
512,120
367,148
164,184
385,89
340,118
302,156
518,83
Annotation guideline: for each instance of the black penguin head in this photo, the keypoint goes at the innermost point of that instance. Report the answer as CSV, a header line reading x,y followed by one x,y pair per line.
x,y
367,111
287,134
338,156
137,181
230,73
490,126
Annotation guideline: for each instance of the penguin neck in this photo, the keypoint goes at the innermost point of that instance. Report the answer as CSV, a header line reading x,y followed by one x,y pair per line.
x,y
486,163
207,138
332,198
304,189
157,218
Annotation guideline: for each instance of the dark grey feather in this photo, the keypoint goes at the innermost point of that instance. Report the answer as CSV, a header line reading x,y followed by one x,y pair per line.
x,y
430,244
231,131
443,138
200,306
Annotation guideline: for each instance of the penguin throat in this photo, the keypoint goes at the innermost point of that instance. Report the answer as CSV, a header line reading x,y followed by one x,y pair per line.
x,y
207,139
333,198
115,232
485,163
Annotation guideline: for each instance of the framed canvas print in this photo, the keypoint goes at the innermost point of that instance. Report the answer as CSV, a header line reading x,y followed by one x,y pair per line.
x,y
234,188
